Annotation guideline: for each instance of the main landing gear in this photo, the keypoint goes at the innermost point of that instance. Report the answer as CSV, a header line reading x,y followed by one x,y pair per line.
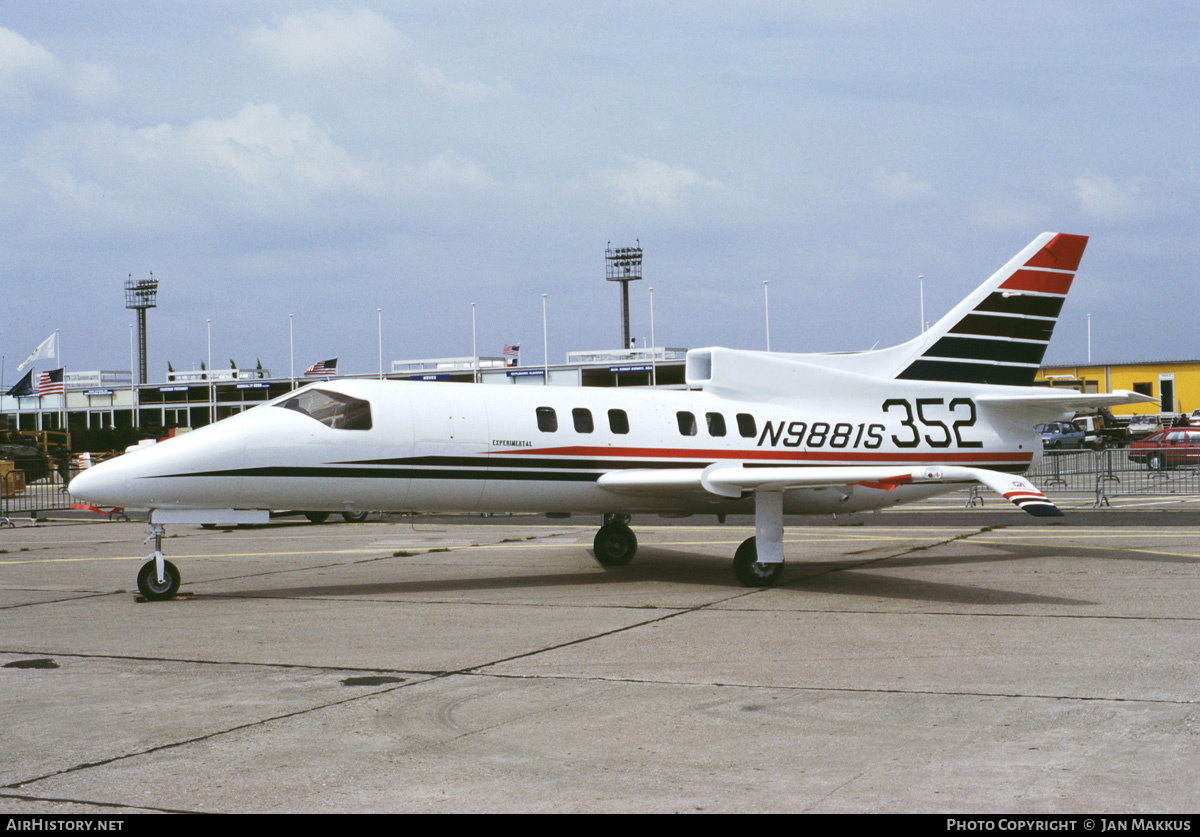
x,y
750,571
615,544
758,562
158,579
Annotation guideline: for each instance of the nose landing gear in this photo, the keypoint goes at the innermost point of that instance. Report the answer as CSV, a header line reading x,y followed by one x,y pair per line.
x,y
158,579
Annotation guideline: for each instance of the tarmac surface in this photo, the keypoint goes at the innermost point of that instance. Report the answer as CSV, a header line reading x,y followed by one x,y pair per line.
x,y
940,660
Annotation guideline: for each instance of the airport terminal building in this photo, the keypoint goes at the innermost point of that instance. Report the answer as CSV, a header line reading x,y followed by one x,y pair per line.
x,y
100,400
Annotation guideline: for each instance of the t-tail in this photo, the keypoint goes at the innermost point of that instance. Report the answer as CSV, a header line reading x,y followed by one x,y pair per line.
x,y
998,334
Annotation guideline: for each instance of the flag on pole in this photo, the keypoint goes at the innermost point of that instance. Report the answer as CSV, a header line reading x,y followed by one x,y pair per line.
x,y
322,369
51,383
23,386
47,349
512,351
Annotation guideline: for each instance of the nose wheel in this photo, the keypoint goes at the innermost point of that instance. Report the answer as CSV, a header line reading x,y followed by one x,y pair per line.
x,y
158,579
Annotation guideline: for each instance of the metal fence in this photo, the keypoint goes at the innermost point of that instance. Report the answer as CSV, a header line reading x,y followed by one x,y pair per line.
x,y
1110,473
22,497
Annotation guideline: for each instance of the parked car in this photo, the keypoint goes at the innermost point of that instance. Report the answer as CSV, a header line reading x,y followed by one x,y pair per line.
x,y
1177,447
1141,426
1194,418
1061,435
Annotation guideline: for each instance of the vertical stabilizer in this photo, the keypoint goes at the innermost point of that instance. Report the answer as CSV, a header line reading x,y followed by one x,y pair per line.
x,y
998,334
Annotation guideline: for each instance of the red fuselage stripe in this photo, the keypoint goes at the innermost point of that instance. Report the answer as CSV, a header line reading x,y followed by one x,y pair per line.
x,y
835,456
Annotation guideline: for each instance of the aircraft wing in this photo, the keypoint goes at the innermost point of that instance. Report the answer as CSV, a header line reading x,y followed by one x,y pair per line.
x,y
736,481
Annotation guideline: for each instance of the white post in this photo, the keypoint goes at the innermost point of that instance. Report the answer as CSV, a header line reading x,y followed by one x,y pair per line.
x,y
474,349
921,281
1089,339
291,351
133,393
212,390
767,311
545,347
653,345
379,314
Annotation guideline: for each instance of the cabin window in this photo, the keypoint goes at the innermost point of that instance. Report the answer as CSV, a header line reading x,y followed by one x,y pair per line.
x,y
716,424
687,423
547,419
332,409
747,426
618,421
583,420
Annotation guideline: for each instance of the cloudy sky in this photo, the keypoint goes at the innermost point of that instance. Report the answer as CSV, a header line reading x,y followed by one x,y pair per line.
x,y
329,159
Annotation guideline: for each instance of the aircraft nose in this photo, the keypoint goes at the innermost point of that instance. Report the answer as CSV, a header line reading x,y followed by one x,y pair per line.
x,y
98,485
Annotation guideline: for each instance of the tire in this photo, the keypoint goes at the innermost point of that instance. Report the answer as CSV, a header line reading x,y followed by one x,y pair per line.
x,y
149,586
750,572
1155,462
615,545
317,517
355,517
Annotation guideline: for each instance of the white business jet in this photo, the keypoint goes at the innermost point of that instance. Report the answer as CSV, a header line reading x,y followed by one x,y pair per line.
x,y
755,432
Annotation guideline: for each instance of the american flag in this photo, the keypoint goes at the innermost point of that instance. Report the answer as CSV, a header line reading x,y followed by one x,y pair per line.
x,y
322,369
51,383
512,351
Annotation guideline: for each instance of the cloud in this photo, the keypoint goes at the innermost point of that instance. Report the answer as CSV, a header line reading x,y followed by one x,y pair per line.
x,y
1100,196
321,43
899,186
263,148
652,183
258,163
450,167
28,69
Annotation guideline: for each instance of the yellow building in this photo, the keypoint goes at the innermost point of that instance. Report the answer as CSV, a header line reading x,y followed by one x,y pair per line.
x,y
1175,383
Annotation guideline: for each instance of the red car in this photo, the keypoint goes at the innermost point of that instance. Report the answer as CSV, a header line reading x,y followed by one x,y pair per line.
x,y
1176,447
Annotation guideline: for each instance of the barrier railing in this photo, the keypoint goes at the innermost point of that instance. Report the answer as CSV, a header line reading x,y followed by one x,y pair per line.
x,y
23,497
1111,473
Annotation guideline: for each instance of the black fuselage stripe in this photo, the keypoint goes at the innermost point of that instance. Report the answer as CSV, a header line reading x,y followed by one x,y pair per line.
x,y
476,473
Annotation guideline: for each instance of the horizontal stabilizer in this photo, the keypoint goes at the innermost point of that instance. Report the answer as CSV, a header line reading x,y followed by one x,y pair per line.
x,y
1065,400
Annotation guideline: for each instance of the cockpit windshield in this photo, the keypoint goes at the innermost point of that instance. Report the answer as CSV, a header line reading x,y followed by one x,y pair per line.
x,y
332,409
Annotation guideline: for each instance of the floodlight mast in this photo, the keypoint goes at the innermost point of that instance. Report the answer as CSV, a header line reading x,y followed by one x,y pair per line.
x,y
624,265
141,294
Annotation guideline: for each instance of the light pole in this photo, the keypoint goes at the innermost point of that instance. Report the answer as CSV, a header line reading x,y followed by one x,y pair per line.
x,y
546,346
379,314
1089,339
474,349
624,265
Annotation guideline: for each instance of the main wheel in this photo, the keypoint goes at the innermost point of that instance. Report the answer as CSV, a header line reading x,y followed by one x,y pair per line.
x,y
615,545
750,572
317,517
151,587
354,517
1155,462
